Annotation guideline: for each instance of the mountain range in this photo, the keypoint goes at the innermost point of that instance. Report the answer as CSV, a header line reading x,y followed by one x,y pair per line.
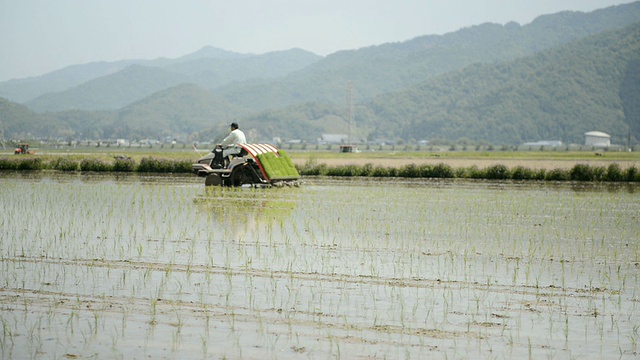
x,y
554,79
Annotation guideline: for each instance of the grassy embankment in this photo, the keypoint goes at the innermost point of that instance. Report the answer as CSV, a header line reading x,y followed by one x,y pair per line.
x,y
517,165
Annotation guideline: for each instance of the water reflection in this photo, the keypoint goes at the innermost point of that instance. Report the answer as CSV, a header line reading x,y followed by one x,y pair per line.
x,y
610,187
189,179
95,177
613,187
245,211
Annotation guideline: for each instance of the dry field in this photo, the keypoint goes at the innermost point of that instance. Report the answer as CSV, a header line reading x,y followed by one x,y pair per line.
x,y
533,161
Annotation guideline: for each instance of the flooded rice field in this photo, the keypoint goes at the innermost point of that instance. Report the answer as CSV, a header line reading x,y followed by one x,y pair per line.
x,y
160,267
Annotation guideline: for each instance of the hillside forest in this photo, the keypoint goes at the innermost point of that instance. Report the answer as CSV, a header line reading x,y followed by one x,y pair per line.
x,y
556,78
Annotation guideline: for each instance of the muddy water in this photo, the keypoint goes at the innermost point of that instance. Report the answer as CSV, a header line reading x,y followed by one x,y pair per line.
x,y
158,267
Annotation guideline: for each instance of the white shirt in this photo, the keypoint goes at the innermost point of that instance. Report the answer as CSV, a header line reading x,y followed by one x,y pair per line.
x,y
235,137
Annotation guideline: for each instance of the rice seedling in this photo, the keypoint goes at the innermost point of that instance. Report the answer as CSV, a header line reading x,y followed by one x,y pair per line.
x,y
503,269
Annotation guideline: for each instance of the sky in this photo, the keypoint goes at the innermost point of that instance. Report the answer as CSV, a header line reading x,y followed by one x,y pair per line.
x,y
40,36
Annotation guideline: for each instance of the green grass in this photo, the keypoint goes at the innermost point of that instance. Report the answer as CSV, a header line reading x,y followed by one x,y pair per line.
x,y
179,160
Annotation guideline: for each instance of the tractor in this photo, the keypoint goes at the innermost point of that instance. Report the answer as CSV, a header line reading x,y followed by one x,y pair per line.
x,y
23,149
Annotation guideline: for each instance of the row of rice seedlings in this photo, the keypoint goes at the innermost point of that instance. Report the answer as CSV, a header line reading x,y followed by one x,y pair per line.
x,y
516,261
73,237
391,245
289,266
247,292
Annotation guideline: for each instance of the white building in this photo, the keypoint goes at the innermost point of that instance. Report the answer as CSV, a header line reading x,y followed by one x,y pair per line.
x,y
597,138
553,143
333,139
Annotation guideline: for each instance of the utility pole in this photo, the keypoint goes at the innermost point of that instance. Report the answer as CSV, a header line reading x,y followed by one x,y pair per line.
x,y
1,131
350,107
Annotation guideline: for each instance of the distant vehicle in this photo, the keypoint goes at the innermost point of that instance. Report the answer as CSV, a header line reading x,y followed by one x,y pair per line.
x,y
23,149
349,149
252,164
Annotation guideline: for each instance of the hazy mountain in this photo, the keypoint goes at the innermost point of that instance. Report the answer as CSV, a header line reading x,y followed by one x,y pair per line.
x,y
210,52
215,72
109,92
135,82
395,66
177,112
373,70
24,90
504,84
558,94
19,122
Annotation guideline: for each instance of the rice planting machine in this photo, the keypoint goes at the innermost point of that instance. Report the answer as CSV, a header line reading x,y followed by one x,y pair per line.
x,y
254,164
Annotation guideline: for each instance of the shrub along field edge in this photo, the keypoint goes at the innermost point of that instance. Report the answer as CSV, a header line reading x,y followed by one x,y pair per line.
x,y
123,164
579,172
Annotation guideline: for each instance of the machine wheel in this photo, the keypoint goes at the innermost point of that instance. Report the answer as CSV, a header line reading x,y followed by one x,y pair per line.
x,y
236,177
213,180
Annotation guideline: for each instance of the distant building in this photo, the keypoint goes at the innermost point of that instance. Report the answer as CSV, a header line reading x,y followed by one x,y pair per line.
x,y
349,149
333,138
544,143
597,138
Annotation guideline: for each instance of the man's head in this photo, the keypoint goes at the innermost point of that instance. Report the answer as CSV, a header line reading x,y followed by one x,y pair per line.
x,y
234,126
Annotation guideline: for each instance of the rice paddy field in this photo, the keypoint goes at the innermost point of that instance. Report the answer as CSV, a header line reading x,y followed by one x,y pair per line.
x,y
137,266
